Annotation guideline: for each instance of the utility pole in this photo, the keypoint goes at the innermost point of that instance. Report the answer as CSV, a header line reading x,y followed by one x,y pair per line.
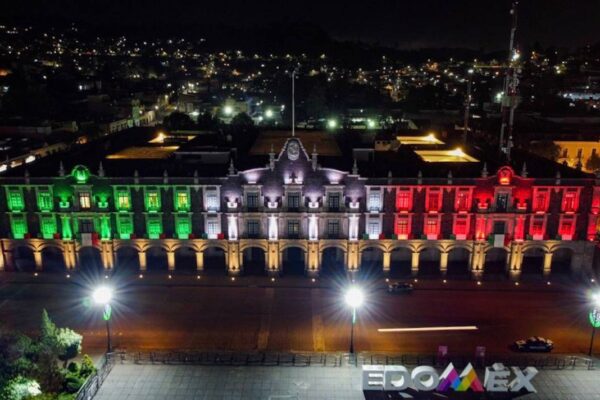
x,y
510,98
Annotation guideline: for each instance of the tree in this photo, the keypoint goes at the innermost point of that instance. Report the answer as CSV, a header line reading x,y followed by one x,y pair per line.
x,y
547,149
17,355
178,120
207,121
242,120
593,163
68,344
20,388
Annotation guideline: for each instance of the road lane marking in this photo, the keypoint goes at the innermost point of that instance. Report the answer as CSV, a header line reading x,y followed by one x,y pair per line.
x,y
429,329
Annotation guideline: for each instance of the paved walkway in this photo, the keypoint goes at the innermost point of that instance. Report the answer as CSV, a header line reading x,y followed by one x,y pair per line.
x,y
153,382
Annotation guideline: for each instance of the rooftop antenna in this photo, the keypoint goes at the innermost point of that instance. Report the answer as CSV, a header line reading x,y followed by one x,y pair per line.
x,y
511,83
468,99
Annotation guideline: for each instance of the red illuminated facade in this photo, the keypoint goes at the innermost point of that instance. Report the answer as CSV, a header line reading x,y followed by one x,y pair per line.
x,y
504,207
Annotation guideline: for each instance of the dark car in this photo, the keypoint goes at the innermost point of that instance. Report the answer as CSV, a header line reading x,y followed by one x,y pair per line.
x,y
400,287
534,344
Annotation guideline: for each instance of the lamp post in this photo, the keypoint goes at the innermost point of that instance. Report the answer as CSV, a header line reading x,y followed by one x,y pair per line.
x,y
102,296
594,319
354,298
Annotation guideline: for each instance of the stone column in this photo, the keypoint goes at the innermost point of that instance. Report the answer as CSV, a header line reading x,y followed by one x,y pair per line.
x,y
37,257
273,257
444,263
313,258
142,257
478,260
171,260
387,261
2,262
233,258
547,264
414,265
353,256
199,261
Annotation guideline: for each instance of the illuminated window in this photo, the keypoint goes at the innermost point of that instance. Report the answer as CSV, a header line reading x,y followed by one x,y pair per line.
x,y
434,200
15,200
374,200
125,226
567,227
402,227
540,201
123,202
183,226
18,226
154,226
537,226
403,200
373,228
182,200
212,200
460,226
462,200
48,226
212,228
569,200
152,201
85,200
45,202
431,226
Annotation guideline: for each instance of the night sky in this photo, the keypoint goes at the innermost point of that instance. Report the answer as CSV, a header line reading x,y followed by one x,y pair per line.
x,y
401,23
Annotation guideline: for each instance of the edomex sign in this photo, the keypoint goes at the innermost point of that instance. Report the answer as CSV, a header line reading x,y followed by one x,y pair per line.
x,y
498,379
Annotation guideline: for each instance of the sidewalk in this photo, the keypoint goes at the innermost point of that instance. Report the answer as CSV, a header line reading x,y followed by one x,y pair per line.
x,y
176,279
154,382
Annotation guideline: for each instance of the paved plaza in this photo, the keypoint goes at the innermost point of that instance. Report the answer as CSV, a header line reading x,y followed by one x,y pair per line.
x,y
153,382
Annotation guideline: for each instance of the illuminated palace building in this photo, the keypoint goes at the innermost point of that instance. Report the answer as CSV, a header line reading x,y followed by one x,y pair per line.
x,y
403,212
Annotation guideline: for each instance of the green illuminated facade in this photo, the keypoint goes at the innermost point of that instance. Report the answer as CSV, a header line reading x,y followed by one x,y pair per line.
x,y
109,208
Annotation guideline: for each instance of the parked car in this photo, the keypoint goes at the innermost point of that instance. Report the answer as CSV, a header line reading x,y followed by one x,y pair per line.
x,y
534,344
400,287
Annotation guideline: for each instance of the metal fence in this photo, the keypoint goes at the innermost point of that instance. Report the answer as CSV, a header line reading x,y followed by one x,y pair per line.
x,y
95,381
555,362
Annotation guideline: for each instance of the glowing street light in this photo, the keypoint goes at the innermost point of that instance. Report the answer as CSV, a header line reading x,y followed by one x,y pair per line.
x,y
269,113
370,124
594,318
332,123
228,110
354,298
102,297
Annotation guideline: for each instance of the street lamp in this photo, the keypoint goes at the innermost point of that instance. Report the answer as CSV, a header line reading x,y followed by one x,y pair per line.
x,y
354,298
594,319
102,296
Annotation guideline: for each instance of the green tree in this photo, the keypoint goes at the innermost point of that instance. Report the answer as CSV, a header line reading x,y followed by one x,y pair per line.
x,y
593,163
20,388
17,356
87,366
68,344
